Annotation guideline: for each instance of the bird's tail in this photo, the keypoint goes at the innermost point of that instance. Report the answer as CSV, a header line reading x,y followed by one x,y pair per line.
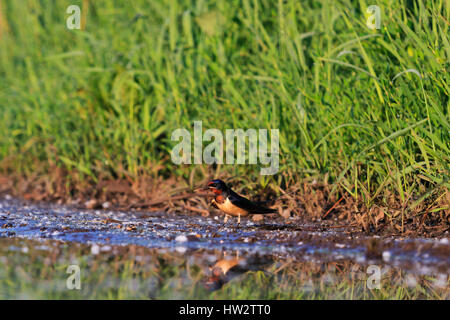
x,y
263,210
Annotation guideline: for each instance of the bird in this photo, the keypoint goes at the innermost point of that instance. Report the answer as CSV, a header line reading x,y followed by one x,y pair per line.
x,y
222,272
230,267
232,203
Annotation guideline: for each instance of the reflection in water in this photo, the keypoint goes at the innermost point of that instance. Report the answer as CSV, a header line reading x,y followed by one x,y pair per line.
x,y
230,266
314,279
153,255
31,269
223,271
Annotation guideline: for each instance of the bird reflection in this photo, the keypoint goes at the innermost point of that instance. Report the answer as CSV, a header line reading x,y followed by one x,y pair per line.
x,y
229,267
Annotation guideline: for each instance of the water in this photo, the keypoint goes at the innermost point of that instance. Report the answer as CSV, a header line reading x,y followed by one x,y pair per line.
x,y
157,255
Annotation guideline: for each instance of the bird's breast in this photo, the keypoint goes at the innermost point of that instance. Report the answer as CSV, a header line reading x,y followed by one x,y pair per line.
x,y
221,267
229,208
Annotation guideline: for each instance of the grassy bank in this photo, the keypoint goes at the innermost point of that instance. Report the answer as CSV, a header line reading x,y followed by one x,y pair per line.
x,y
363,111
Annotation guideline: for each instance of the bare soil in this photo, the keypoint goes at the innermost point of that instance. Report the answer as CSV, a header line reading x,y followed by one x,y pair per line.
x,y
307,201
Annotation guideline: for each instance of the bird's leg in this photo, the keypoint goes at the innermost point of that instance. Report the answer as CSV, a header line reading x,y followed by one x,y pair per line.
x,y
239,219
225,220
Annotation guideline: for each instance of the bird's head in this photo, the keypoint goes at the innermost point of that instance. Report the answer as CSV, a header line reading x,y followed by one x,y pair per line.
x,y
217,186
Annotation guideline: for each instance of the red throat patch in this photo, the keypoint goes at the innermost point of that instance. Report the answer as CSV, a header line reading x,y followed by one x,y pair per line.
x,y
220,199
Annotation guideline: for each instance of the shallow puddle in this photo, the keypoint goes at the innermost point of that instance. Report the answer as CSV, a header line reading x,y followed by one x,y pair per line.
x,y
134,255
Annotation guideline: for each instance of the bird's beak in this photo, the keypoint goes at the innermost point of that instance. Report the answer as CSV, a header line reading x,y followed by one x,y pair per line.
x,y
201,189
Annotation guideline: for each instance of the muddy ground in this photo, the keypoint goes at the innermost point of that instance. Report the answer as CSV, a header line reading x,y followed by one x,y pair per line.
x,y
143,254
309,202
275,236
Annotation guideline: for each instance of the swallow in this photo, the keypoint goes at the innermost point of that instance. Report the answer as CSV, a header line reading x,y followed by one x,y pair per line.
x,y
232,203
222,272
229,268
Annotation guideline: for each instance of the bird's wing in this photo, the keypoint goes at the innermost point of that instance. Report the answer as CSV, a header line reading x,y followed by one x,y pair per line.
x,y
247,204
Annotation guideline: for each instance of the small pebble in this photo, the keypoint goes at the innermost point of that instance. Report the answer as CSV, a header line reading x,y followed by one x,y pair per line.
x,y
386,255
95,249
181,238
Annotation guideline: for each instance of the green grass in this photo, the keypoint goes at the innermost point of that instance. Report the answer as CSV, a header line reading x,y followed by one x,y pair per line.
x,y
103,101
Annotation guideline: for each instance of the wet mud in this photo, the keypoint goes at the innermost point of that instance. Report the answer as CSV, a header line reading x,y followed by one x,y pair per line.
x,y
221,251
